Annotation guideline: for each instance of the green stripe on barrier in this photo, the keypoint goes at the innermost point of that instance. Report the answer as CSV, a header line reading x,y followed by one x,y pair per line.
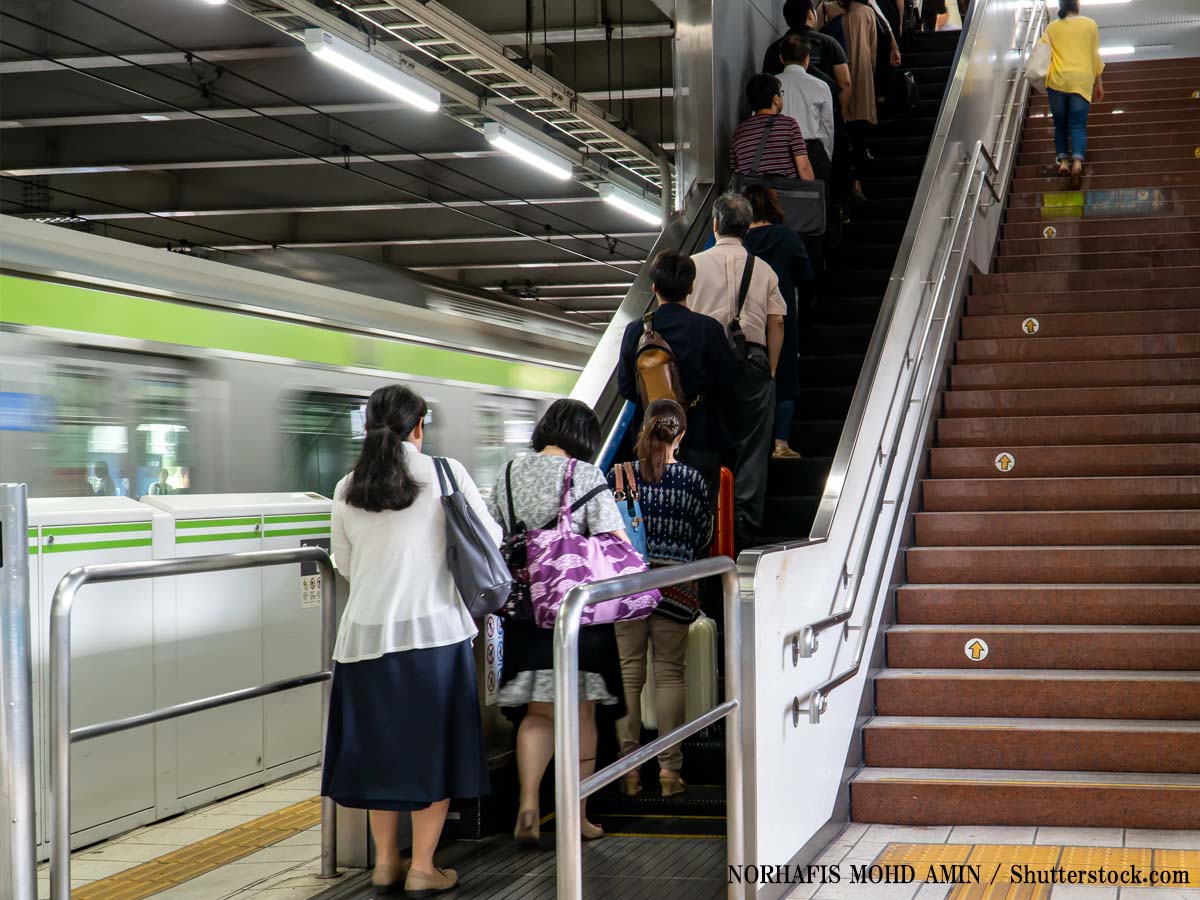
x,y
289,532
33,549
315,517
95,545
204,538
68,530
33,533
216,523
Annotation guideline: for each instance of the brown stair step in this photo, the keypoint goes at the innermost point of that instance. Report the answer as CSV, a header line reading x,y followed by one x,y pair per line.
x,y
1067,260
1128,145
1173,180
1139,428
1052,565
1048,604
1126,244
1178,161
1079,745
1025,797
1109,280
1115,231
1128,199
1180,149
1132,95
1074,349
1159,398
1030,494
1052,693
1087,373
1152,121
1059,528
1139,647
1099,207
1066,461
1024,304
1050,325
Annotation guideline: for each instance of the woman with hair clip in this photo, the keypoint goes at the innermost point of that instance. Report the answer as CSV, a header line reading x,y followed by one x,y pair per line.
x,y
1072,82
674,504
404,733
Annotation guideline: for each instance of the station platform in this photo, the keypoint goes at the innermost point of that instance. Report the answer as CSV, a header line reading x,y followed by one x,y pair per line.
x,y
265,845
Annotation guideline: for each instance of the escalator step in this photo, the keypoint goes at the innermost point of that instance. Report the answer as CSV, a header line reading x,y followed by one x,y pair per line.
x,y
825,402
788,515
799,477
812,437
841,368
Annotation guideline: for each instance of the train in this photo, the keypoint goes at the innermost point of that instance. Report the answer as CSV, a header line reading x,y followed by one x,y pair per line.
x,y
131,370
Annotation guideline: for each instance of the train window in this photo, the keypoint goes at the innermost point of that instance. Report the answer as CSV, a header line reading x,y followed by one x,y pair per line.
x,y
90,451
323,435
505,426
163,444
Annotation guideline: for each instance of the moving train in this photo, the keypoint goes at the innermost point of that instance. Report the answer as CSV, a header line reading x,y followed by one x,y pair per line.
x,y
129,370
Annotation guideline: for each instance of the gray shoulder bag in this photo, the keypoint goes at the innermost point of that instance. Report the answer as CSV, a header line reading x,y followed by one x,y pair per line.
x,y
479,570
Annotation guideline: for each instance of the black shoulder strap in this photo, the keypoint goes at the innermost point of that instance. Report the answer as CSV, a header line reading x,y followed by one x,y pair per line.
x,y
762,145
512,510
744,289
445,476
648,322
581,502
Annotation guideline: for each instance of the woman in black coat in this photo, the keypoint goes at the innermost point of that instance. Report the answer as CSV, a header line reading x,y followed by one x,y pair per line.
x,y
783,250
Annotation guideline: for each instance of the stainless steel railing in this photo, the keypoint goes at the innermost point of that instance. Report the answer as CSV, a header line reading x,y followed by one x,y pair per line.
x,y
569,790
62,736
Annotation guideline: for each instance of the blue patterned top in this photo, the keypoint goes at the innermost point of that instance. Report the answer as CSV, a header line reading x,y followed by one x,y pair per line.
x,y
678,526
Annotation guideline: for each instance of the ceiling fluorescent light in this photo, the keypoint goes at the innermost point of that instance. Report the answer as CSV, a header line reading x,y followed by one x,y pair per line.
x,y
1118,50
215,2
362,65
1085,5
529,152
626,201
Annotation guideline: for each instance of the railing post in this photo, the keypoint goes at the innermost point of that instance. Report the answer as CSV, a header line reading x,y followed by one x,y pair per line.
x,y
60,733
567,840
735,825
18,843
328,634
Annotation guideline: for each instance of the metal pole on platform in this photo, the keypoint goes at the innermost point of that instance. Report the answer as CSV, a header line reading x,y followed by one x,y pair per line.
x,y
328,634
18,847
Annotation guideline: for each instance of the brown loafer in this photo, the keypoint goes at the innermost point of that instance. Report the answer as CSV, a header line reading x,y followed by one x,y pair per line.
x,y
421,884
390,875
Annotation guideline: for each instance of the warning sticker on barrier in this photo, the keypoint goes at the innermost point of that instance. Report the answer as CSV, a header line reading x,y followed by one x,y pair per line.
x,y
310,591
976,649
1005,461
1031,326
493,657
1049,232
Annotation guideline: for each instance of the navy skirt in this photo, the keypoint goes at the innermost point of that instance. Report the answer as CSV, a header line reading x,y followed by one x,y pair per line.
x,y
404,730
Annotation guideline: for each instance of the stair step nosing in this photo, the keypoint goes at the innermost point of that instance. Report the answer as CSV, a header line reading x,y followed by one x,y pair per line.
x,y
1174,675
1027,630
993,723
1022,588
1031,777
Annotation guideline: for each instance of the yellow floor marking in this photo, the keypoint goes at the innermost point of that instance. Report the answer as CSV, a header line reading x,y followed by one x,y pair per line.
x,y
1000,892
1177,859
1014,853
196,859
924,854
1088,858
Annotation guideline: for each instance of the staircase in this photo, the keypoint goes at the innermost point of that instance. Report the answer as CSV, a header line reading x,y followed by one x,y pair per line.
x,y
835,334
1044,667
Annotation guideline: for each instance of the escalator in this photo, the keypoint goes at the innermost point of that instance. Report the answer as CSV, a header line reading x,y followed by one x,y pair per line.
x,y
836,331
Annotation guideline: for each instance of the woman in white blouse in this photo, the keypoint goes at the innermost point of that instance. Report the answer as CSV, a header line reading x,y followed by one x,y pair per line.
x,y
404,733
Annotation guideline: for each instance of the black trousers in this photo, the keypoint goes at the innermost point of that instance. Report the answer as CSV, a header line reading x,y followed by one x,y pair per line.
x,y
752,423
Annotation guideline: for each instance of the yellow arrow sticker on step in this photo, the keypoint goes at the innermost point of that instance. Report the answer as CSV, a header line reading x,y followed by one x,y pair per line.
x,y
1031,326
1197,152
1050,232
1005,461
976,649
1196,95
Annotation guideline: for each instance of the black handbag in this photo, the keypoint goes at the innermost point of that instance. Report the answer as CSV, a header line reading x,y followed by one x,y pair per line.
x,y
803,201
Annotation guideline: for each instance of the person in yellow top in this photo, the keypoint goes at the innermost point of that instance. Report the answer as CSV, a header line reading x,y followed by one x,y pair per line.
x,y
1074,79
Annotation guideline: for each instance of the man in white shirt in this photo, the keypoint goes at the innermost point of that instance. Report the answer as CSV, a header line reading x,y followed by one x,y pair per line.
x,y
719,272
808,100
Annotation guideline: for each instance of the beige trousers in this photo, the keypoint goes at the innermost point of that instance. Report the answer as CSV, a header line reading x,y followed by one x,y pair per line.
x,y
670,646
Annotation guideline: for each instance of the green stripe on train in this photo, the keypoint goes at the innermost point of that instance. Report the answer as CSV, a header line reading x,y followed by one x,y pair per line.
x,y
49,305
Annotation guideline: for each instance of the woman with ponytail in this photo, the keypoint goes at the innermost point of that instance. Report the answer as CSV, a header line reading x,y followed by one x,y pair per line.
x,y
1073,81
404,733
674,503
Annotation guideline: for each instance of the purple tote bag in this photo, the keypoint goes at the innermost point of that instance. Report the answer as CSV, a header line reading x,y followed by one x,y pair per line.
x,y
560,560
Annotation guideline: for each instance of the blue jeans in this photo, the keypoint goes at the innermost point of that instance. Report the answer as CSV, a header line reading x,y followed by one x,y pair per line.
x,y
1070,113
785,412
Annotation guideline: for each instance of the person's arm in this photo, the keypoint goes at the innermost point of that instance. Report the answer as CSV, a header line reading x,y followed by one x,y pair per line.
x,y
799,151
842,73
340,540
827,122
804,168
774,341
1097,67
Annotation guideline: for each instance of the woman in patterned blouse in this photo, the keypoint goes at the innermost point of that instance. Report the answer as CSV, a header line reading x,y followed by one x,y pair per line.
x,y
674,503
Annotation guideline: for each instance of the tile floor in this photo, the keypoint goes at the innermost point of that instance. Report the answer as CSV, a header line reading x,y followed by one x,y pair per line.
x,y
863,843
284,871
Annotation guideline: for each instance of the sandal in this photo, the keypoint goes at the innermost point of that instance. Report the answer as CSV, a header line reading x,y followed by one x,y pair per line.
x,y
1064,168
671,784
528,829
631,784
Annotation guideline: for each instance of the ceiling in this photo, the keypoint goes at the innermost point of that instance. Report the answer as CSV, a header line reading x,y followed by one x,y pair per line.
x,y
1157,29
210,129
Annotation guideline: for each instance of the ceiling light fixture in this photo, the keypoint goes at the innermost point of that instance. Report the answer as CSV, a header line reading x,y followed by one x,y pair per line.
x,y
215,2
626,201
530,153
362,65
1118,50
154,117
1088,4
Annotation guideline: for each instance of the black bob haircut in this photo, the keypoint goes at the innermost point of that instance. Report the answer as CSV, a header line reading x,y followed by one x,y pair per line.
x,y
572,427
761,90
673,273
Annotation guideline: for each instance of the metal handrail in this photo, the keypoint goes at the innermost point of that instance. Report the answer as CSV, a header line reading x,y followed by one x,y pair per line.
x,y
61,735
941,308
569,789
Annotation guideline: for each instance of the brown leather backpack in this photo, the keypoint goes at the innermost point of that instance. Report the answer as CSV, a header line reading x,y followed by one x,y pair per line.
x,y
658,376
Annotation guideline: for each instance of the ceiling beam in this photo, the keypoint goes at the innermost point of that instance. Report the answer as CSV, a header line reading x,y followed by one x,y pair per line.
x,y
573,264
236,54
428,242
590,34
335,208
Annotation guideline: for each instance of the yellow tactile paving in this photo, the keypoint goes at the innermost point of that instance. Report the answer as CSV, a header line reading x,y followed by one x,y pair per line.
x,y
1015,853
1091,858
1177,859
919,854
196,859
1000,892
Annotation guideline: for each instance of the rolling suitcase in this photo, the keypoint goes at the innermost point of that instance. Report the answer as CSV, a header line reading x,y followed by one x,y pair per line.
x,y
700,675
